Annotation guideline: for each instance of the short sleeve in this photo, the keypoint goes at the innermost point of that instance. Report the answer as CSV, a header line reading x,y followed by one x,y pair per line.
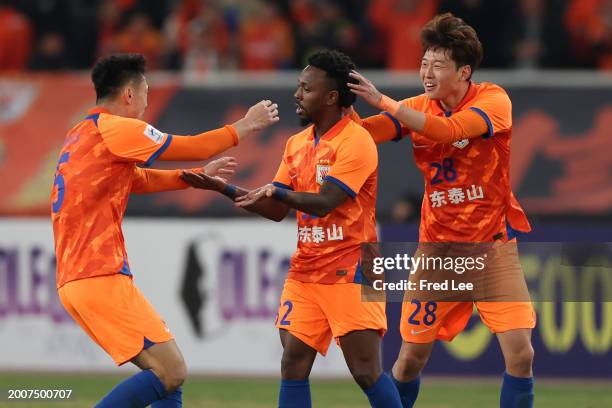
x,y
494,106
133,139
356,160
282,178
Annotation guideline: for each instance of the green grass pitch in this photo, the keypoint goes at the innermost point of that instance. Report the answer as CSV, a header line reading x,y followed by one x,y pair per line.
x,y
208,392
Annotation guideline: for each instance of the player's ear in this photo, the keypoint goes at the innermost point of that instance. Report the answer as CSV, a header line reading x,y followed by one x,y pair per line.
x,y
127,95
466,72
332,97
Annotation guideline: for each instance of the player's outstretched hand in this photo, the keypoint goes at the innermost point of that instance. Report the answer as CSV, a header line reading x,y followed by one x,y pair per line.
x,y
258,117
255,195
225,166
365,88
203,180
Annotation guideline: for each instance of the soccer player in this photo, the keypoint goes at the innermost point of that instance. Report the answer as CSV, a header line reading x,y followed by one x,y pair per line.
x,y
96,172
328,174
461,133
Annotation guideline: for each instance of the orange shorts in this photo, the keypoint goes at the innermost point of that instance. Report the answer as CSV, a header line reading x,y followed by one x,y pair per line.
x,y
315,312
424,322
502,279
115,314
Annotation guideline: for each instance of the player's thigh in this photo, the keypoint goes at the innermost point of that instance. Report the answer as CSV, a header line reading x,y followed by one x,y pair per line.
x,y
348,311
502,279
65,300
301,315
298,357
501,317
427,321
117,314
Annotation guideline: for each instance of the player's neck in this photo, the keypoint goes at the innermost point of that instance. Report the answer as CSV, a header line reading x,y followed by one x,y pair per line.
x,y
325,123
452,100
113,108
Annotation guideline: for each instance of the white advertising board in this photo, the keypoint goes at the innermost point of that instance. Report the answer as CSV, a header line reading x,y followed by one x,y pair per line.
x,y
216,284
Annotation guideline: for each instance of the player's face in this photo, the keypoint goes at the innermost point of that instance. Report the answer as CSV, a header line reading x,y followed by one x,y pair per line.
x,y
313,95
440,75
138,92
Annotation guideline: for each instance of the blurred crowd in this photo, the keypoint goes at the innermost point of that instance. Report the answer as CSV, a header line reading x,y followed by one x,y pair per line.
x,y
203,35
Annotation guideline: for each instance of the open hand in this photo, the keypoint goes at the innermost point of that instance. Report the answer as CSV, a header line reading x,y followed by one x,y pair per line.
x,y
365,88
255,195
203,180
225,166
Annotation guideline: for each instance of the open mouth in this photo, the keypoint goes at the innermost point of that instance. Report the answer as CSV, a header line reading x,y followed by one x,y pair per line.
x,y
429,86
298,109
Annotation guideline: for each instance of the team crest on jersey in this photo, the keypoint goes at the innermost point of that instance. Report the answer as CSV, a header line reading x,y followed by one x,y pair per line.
x,y
460,144
154,134
322,172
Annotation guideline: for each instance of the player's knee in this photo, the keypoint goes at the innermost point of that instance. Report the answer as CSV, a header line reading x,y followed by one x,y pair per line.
x,y
294,367
415,360
176,376
172,376
293,371
521,362
409,365
365,378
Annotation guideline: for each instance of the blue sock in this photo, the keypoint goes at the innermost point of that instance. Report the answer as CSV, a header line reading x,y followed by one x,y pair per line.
x,y
294,394
138,391
383,393
174,400
408,391
516,392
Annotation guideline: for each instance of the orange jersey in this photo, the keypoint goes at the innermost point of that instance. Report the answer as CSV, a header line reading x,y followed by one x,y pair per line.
x,y
95,174
467,185
329,248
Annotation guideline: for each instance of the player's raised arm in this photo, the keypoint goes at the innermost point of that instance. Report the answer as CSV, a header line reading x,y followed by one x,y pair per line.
x,y
207,144
153,180
382,127
462,125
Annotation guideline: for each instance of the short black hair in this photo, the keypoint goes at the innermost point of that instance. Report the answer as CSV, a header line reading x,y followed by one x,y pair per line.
x,y
447,32
113,72
337,66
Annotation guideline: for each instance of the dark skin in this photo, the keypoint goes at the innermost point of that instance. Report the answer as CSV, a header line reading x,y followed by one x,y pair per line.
x,y
317,103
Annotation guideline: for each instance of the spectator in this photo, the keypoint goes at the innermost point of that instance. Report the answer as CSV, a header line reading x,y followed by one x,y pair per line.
x,y
208,41
399,23
139,36
540,40
265,38
322,24
198,37
110,15
15,38
51,54
407,209
495,22
590,25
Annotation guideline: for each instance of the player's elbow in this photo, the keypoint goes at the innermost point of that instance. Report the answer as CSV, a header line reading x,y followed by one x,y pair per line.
x,y
322,211
277,217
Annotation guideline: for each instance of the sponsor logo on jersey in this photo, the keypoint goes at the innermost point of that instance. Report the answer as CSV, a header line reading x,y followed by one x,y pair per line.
x,y
322,172
155,135
460,144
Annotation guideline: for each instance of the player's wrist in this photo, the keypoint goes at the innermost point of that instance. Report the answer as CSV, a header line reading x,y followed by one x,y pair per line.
x,y
390,105
243,127
229,190
279,193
